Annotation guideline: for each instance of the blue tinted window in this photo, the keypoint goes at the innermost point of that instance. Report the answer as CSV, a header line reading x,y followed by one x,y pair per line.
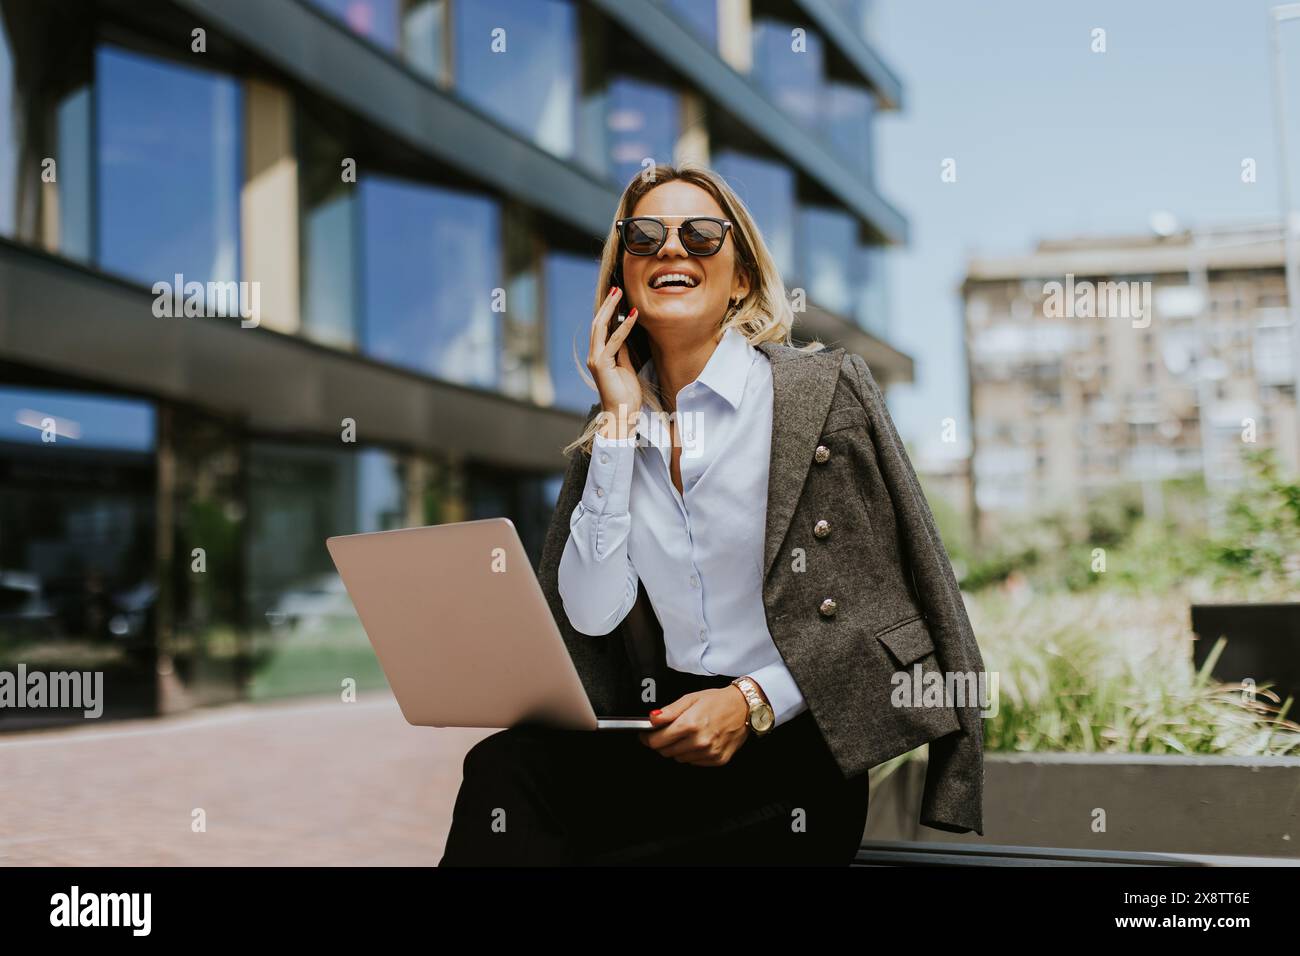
x,y
642,123
169,150
74,165
327,288
700,15
847,117
376,20
827,245
792,78
432,258
856,13
531,83
327,253
9,136
767,187
872,307
78,420
424,28
569,282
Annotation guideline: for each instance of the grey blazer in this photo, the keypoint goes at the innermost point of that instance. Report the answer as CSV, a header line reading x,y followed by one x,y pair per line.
x,y
847,609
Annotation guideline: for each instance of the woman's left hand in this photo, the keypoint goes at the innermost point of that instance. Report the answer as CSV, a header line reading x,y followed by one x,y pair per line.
x,y
705,727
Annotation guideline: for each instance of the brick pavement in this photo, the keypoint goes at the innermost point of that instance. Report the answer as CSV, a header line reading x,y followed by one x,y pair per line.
x,y
306,782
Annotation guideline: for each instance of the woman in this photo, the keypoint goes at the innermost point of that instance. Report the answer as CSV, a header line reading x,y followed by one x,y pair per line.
x,y
675,505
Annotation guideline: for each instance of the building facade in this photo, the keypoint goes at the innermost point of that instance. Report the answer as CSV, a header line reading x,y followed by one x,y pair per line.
x,y
1101,362
274,270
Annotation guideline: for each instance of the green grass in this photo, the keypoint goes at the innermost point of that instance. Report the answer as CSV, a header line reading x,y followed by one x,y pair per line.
x,y
1111,672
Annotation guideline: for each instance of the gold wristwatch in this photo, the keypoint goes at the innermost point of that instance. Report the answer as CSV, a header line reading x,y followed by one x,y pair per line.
x,y
761,718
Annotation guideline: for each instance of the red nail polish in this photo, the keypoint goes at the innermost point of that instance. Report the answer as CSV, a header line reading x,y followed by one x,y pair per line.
x,y
632,313
654,712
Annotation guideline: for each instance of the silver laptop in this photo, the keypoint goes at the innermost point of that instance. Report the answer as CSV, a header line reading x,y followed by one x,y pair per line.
x,y
462,629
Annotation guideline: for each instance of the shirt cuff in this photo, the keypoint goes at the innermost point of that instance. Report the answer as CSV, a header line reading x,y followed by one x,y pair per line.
x,y
781,691
609,476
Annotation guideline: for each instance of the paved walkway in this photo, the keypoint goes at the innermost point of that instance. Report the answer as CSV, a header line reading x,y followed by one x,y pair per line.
x,y
315,782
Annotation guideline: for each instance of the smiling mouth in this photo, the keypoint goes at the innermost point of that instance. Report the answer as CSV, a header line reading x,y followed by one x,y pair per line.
x,y
671,282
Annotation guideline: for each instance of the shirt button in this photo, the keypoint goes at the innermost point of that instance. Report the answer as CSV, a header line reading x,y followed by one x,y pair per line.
x,y
695,581
604,458
600,492
704,632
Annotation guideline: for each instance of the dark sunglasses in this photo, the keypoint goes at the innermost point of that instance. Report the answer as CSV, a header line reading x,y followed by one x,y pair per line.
x,y
699,235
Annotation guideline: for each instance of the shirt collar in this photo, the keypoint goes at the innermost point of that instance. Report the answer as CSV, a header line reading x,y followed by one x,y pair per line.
x,y
726,371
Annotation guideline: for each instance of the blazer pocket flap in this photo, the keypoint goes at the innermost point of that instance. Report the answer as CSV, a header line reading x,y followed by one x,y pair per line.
x,y
846,416
909,640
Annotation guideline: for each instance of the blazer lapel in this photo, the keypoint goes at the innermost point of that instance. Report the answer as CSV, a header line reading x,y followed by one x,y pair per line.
x,y
803,386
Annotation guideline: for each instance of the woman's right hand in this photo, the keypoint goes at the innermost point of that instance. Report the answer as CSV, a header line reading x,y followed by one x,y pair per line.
x,y
611,367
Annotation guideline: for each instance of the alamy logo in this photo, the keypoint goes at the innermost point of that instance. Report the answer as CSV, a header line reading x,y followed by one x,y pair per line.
x,y
57,689
1098,300
213,299
102,909
932,688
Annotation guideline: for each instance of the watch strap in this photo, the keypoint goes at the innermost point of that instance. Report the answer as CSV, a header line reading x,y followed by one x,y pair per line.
x,y
749,687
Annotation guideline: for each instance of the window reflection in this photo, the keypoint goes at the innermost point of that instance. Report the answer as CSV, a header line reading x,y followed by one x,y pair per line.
x,y
376,20
569,282
209,649
643,123
424,37
168,147
827,248
515,59
522,351
305,635
432,260
847,118
77,581
327,252
700,15
872,307
857,14
526,499
10,112
44,114
767,187
74,161
791,78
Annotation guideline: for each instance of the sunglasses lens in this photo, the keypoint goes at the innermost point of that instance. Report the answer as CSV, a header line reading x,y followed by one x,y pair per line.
x,y
643,236
702,237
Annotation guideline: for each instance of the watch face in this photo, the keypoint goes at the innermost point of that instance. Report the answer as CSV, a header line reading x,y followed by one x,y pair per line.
x,y
763,718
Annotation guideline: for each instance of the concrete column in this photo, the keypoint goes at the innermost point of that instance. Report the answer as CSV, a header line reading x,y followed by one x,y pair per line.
x,y
693,142
735,34
269,205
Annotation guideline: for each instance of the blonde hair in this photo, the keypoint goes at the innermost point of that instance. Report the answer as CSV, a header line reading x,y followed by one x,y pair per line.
x,y
763,315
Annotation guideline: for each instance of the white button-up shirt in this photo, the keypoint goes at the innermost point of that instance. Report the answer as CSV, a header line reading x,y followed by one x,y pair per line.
x,y
699,553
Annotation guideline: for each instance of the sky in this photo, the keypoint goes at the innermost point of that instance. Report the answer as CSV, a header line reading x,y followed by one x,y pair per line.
x,y
1054,140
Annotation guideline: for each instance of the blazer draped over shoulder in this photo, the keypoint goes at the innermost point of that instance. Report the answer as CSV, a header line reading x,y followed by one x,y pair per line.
x,y
870,598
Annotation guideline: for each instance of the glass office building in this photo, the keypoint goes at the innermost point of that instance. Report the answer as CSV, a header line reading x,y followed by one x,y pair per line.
x,y
273,271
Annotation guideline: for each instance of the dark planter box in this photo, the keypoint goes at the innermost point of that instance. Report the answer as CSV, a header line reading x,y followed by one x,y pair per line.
x,y
1223,806
1263,643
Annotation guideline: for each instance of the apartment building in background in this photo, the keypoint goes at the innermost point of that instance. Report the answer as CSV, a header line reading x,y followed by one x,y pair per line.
x,y
416,193
1104,361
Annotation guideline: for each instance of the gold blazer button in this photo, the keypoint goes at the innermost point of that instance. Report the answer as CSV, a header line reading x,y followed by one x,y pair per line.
x,y
822,455
822,528
828,607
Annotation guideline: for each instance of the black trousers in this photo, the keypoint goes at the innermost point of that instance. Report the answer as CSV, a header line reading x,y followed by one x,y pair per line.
x,y
536,795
